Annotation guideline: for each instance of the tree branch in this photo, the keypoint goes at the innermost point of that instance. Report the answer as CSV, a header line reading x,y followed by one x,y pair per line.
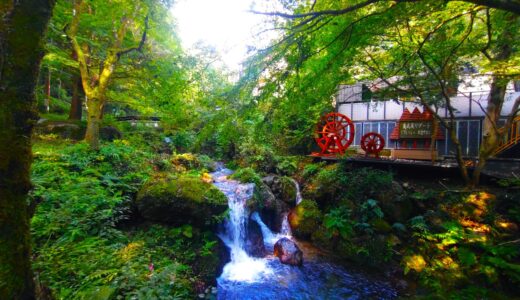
x,y
139,48
507,5
71,33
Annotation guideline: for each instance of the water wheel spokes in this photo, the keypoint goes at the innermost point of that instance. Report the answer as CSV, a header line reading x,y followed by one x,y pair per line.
x,y
372,143
334,133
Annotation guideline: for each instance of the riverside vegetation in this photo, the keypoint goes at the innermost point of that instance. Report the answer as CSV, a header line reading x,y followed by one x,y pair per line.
x,y
92,239
103,207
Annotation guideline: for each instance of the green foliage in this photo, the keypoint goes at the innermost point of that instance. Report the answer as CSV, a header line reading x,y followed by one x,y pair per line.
x,y
461,254
338,222
260,157
81,253
286,165
312,169
247,175
370,210
328,185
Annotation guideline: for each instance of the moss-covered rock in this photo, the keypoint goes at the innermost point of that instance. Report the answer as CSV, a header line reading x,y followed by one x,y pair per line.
x,y
181,200
381,226
271,208
321,238
247,175
305,219
288,190
185,161
73,130
283,187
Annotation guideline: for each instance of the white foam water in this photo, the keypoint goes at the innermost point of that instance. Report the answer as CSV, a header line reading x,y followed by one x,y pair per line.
x,y
242,267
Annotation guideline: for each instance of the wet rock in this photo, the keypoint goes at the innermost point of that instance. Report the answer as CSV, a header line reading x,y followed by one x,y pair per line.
x,y
282,187
399,228
271,208
255,243
305,218
179,201
288,252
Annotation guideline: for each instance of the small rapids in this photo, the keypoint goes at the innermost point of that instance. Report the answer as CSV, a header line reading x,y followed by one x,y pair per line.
x,y
247,277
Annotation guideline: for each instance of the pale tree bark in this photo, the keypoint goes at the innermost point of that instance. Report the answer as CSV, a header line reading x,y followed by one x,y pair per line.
x,y
95,83
22,28
492,133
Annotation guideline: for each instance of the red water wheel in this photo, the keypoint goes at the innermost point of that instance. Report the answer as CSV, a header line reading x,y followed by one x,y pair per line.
x,y
372,143
334,133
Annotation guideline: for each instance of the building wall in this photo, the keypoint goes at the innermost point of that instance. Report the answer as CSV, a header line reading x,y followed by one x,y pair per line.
x,y
382,116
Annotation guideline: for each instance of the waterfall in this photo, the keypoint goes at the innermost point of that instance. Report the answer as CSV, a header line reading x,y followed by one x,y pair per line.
x,y
245,277
242,267
298,193
270,238
286,227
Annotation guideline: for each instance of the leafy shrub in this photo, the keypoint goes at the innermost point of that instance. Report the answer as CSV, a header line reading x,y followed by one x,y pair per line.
x,y
80,253
338,222
247,175
260,157
286,165
312,169
182,140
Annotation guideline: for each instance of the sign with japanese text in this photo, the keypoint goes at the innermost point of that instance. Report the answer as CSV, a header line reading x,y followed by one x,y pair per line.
x,y
415,129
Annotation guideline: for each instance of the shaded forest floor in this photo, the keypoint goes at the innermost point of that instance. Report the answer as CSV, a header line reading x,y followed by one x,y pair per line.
x,y
431,241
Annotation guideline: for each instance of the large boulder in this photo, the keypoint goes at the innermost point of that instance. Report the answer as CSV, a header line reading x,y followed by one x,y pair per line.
x,y
73,130
283,188
271,208
183,200
288,252
395,204
305,219
255,241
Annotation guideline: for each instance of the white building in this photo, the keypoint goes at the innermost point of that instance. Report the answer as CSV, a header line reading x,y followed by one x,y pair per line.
x,y
381,116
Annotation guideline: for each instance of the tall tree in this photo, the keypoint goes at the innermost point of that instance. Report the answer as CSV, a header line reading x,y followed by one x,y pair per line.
x,y
113,38
22,27
418,56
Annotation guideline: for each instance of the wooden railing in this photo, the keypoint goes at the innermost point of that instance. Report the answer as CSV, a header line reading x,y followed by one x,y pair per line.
x,y
512,137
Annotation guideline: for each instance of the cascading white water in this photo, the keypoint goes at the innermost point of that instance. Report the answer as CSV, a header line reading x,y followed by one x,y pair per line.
x,y
270,238
286,227
298,193
242,267
245,277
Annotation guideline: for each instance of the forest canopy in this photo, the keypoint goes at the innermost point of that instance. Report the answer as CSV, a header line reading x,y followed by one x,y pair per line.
x,y
116,141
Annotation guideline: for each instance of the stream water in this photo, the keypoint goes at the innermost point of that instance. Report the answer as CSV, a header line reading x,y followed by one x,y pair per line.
x,y
246,277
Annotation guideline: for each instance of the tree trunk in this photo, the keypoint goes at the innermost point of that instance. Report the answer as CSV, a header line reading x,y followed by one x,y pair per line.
x,y
76,103
94,109
491,133
22,27
48,87
458,155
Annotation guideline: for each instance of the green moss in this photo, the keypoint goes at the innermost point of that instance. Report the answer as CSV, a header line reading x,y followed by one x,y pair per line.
x,y
186,161
185,199
288,189
247,175
305,219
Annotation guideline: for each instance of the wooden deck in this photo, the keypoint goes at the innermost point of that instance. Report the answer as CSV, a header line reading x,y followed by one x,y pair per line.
x,y
495,167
